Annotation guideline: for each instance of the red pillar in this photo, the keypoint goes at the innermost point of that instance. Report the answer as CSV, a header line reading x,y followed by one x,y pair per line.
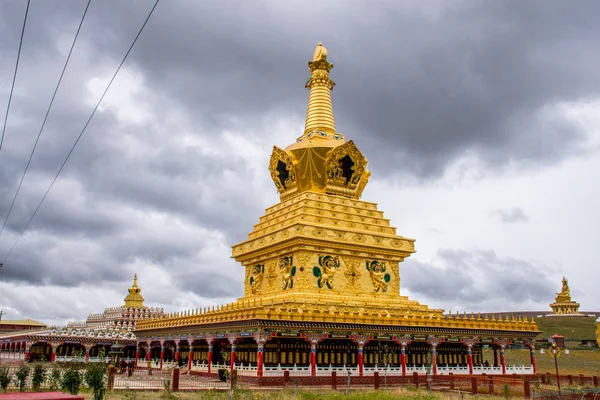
x,y
232,364
532,356
53,355
26,355
361,364
470,358
162,356
177,354
313,358
259,360
87,354
495,357
502,360
403,358
137,356
210,350
434,359
190,358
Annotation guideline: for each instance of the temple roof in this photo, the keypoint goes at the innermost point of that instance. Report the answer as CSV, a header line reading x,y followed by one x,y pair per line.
x,y
27,322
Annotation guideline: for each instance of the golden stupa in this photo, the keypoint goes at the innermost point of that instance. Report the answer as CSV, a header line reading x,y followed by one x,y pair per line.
x,y
323,265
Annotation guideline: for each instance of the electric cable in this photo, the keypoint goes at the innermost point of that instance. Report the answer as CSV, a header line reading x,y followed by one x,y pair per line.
x,y
12,88
81,134
45,119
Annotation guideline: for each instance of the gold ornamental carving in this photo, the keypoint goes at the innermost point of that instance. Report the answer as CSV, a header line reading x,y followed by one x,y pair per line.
x,y
287,271
347,173
256,277
283,172
353,274
302,259
325,272
271,275
379,276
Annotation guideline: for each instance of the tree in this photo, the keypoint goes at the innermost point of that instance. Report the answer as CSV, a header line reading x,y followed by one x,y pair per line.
x,y
5,377
71,379
95,377
55,377
38,377
22,374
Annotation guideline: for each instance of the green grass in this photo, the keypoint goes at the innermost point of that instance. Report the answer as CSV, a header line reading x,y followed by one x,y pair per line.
x,y
572,328
586,362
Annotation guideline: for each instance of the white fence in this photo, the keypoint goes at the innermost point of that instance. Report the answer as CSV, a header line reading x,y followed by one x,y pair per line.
x,y
304,370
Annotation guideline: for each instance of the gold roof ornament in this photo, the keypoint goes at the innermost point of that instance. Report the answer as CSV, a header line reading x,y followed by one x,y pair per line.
x,y
321,160
134,298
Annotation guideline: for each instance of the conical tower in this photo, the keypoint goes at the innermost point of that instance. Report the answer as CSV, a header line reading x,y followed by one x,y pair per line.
x,y
134,299
321,243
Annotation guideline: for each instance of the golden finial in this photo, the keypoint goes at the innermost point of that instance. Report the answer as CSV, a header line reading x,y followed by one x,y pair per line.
x,y
319,115
320,53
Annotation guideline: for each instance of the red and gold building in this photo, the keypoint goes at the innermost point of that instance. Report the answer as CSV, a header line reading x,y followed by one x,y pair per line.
x,y
322,279
104,330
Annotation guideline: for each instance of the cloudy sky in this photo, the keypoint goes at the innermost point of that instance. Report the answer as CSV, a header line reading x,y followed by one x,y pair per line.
x,y
480,120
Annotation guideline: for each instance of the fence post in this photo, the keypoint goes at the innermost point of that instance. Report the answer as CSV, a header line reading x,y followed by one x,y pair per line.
x,y
526,389
595,380
286,377
233,378
175,380
491,385
570,378
473,385
376,379
451,378
333,380
416,379
111,378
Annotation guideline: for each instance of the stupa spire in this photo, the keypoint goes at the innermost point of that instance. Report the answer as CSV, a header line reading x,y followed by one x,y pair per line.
x,y
319,115
134,298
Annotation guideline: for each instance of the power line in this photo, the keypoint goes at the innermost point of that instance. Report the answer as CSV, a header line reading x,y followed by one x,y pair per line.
x,y
15,74
81,134
45,118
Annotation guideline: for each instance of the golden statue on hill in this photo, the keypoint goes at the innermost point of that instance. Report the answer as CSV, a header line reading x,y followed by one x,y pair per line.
x,y
563,304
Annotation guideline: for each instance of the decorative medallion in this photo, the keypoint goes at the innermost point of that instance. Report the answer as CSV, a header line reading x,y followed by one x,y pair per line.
x,y
353,275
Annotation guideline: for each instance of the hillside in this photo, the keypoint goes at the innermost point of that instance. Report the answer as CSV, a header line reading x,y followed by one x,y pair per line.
x,y
572,328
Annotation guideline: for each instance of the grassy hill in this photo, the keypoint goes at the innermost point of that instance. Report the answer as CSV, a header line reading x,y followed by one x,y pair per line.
x,y
572,328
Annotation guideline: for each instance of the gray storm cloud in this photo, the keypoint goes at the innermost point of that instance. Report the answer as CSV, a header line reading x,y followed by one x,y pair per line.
x,y
419,85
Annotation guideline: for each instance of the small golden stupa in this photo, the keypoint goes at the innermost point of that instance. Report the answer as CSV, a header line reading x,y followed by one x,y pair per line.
x,y
563,305
134,298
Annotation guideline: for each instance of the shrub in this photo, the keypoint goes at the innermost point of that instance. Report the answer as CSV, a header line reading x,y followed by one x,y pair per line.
x,y
5,377
95,377
22,374
71,380
55,377
38,377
